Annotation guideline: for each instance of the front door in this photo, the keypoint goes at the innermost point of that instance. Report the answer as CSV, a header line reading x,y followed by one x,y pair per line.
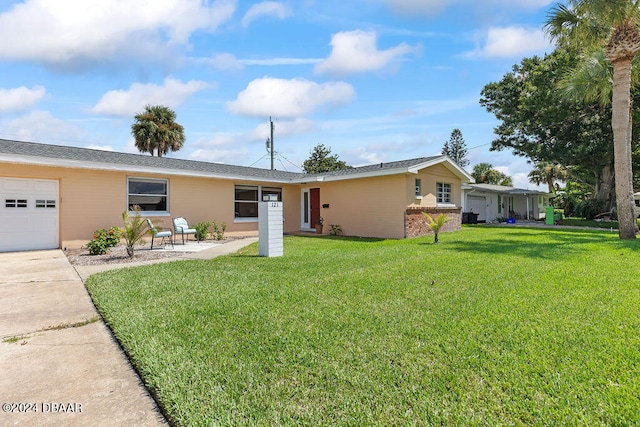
x,y
310,208
315,206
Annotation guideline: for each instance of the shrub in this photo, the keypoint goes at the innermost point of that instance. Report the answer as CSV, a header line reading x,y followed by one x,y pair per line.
x,y
218,230
103,240
589,208
335,230
135,227
202,230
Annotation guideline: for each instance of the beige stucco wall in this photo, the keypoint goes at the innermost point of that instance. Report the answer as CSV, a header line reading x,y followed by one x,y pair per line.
x,y
366,207
376,206
93,199
429,178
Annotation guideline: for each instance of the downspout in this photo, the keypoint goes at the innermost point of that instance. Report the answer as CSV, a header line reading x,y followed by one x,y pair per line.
x,y
405,223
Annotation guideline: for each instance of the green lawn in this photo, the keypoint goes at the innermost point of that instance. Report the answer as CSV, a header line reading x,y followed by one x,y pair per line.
x,y
493,326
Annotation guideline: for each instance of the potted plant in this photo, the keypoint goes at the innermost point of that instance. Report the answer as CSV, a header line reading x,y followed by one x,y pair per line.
x,y
318,225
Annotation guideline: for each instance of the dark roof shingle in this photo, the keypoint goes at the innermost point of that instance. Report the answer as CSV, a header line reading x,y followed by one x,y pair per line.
x,y
167,163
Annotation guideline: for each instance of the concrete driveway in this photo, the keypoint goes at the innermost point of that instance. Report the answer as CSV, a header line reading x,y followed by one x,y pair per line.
x,y
60,364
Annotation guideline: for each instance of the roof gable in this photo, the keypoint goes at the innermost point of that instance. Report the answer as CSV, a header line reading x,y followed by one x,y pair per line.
x,y
393,168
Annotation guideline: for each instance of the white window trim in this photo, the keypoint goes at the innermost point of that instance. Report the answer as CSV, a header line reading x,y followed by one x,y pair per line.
x,y
166,213
244,220
239,220
445,204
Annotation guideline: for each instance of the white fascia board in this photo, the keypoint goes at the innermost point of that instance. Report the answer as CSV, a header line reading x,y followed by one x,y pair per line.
x,y
449,164
511,192
328,178
77,164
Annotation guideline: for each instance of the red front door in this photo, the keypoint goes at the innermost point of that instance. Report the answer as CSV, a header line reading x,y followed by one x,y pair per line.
x,y
315,205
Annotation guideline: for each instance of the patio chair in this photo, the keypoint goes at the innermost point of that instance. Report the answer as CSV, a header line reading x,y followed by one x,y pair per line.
x,y
155,234
181,227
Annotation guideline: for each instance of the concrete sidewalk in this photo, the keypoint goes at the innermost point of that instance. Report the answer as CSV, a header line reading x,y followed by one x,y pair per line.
x,y
60,364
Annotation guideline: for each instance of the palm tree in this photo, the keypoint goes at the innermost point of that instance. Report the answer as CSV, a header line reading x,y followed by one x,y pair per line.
x,y
156,131
610,26
436,224
485,173
481,172
548,173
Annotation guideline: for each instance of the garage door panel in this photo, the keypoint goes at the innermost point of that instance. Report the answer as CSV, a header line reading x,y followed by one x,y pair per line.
x,y
15,185
35,226
478,205
16,222
45,187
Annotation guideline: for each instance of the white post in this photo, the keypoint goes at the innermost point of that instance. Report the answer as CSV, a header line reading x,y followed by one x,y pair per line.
x,y
270,230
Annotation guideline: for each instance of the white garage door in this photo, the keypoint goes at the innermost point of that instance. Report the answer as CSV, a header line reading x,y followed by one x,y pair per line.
x,y
28,214
478,205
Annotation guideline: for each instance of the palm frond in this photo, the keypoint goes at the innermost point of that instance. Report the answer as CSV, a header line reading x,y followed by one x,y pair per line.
x,y
590,80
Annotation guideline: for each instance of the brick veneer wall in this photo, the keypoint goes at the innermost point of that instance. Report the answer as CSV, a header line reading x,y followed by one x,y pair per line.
x,y
416,224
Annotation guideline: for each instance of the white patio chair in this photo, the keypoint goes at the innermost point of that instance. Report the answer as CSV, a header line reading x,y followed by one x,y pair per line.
x,y
159,234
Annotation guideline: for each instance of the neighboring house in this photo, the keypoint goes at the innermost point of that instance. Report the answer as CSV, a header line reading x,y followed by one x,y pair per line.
x,y
57,196
496,202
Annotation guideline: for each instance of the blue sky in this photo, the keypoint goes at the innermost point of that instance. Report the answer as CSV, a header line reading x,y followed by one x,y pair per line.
x,y
375,80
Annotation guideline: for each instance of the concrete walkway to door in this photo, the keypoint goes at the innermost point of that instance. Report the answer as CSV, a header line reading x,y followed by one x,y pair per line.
x,y
59,363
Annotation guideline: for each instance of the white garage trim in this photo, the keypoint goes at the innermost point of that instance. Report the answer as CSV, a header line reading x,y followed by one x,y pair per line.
x,y
29,214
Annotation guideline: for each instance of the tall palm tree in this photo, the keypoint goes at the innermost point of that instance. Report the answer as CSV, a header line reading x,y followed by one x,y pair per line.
x,y
156,131
612,27
548,173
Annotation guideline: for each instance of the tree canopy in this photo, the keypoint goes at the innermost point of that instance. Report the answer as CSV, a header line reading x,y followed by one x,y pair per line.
x,y
320,161
539,123
484,173
548,173
609,28
156,131
456,148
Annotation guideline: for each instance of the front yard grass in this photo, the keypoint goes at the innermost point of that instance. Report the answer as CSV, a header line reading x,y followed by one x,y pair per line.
x,y
493,326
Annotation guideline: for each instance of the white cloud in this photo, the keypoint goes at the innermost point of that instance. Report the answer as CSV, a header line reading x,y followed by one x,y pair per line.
x,y
68,31
510,42
101,147
282,129
433,7
20,98
225,62
41,126
281,61
518,169
356,51
361,156
228,62
289,98
242,148
222,148
266,8
129,102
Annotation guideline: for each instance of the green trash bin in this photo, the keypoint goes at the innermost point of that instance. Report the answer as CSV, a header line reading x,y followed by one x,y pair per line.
x,y
549,215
